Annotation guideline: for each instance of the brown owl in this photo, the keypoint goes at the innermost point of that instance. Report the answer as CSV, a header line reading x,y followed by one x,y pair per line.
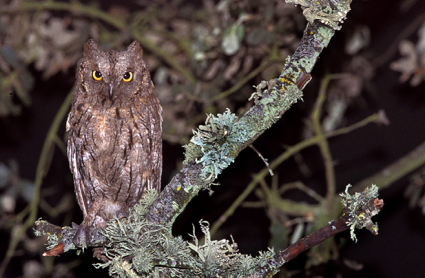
x,y
114,135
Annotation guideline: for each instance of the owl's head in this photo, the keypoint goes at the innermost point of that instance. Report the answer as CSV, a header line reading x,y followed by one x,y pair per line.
x,y
110,75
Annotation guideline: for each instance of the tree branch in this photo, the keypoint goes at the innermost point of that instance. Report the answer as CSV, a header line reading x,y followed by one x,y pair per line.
x,y
269,106
358,211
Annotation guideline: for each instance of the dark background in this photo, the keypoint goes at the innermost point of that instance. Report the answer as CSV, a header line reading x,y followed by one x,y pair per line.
x,y
398,250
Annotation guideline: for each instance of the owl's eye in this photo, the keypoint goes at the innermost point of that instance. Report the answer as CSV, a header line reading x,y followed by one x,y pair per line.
x,y
97,75
128,76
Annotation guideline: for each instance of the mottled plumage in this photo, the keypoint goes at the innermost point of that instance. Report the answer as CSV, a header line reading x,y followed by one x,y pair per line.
x,y
114,134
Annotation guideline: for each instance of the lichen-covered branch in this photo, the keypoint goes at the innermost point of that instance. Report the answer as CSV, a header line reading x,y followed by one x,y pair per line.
x,y
358,211
60,238
360,208
141,247
228,136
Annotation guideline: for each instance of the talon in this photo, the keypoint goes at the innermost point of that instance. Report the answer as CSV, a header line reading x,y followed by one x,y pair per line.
x,y
82,236
122,215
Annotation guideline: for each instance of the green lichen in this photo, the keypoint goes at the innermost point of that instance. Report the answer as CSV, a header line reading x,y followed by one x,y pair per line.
x,y
221,258
138,248
306,63
54,238
146,243
324,33
175,205
213,144
52,241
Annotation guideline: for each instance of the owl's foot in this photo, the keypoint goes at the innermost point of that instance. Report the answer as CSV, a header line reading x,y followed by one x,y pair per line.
x,y
121,214
82,236
97,253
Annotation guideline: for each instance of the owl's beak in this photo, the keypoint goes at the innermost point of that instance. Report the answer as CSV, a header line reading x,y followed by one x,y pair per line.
x,y
111,88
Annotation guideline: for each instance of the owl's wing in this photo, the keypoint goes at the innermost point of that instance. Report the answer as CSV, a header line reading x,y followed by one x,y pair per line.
x,y
154,125
73,162
144,147
158,148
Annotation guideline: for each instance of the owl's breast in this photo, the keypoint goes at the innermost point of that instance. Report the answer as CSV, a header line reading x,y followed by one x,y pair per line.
x,y
101,128
117,149
105,129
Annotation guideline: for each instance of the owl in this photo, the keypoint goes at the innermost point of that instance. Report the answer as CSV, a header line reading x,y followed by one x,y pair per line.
x,y
114,135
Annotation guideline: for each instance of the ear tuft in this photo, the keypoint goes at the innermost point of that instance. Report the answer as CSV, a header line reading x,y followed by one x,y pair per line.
x,y
89,47
135,48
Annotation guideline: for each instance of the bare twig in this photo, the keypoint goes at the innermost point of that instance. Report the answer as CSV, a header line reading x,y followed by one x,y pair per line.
x,y
263,159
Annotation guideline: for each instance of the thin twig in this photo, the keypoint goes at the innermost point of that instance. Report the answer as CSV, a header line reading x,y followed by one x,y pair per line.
x,y
323,143
262,158
245,79
302,187
403,166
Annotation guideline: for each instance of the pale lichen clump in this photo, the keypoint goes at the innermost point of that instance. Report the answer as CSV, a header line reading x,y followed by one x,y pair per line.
x,y
360,208
329,12
214,144
137,245
139,248
221,258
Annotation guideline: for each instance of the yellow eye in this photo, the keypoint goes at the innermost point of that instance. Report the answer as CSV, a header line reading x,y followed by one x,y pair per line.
x,y
128,76
97,75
